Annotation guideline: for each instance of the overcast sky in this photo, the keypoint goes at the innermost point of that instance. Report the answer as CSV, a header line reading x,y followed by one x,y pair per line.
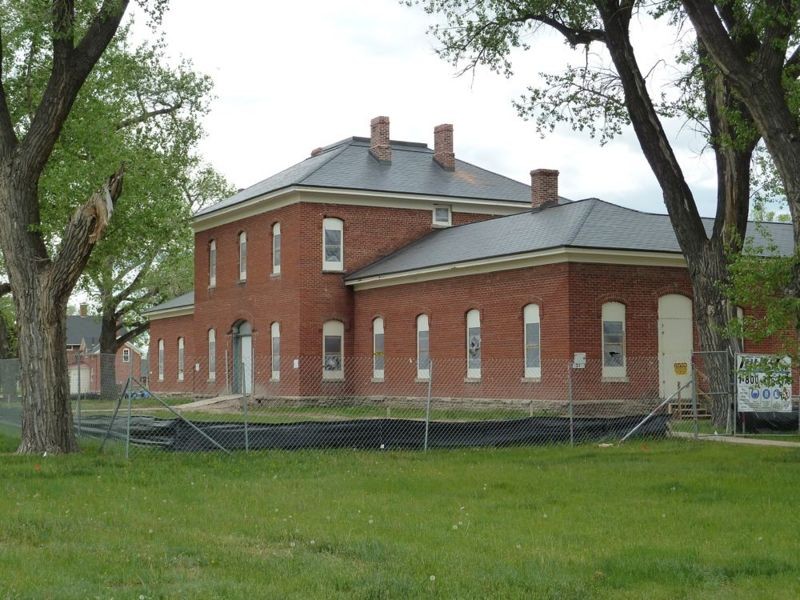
x,y
292,76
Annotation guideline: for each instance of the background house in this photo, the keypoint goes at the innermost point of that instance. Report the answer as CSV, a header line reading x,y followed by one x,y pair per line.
x,y
83,355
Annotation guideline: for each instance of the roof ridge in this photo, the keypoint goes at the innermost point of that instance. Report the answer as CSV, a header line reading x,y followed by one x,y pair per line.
x,y
332,154
579,226
473,165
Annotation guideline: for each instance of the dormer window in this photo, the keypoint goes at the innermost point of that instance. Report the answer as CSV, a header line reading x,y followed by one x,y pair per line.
x,y
442,216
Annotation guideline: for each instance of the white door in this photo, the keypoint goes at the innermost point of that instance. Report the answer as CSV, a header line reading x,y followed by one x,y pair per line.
x,y
246,342
84,379
674,344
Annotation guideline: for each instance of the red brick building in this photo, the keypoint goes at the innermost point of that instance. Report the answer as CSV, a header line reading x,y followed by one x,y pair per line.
x,y
84,359
350,271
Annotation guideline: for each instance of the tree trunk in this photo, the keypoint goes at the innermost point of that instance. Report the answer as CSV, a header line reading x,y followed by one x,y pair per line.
x,y
712,312
46,410
41,289
108,356
705,256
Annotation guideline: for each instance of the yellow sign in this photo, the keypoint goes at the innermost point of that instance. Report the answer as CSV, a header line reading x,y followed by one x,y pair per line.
x,y
681,368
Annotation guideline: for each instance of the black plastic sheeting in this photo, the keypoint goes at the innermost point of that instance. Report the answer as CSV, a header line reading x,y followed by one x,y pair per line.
x,y
769,422
181,436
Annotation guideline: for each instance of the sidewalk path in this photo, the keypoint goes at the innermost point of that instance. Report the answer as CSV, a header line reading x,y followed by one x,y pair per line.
x,y
729,439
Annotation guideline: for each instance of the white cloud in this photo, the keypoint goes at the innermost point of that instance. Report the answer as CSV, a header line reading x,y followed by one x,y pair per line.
x,y
294,76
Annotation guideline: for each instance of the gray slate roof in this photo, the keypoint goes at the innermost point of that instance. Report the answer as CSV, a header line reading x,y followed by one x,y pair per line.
x,y
185,300
83,328
589,223
349,165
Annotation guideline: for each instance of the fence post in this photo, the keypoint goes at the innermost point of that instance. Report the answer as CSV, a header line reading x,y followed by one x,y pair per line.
x,y
735,396
571,406
694,404
428,404
227,375
244,409
128,427
78,365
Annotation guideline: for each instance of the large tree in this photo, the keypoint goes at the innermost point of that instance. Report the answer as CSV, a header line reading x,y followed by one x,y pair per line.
x,y
755,45
140,110
615,94
42,274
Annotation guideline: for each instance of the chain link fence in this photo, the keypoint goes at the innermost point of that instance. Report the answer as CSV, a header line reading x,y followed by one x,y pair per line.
x,y
385,403
382,403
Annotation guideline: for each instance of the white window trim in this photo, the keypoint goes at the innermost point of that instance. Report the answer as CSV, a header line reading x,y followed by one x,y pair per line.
x,y
243,256
614,312
161,360
531,315
212,355
449,221
377,329
276,243
423,324
126,355
212,264
473,320
181,358
330,329
333,224
275,333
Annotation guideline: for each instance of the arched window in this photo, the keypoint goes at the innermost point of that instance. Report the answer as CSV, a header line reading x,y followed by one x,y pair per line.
x,y
275,335
614,362
276,248
423,348
243,256
332,244
532,333
378,359
474,344
212,263
181,365
333,350
161,360
212,355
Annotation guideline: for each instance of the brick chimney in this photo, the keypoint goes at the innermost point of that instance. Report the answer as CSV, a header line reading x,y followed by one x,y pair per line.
x,y
544,187
379,145
83,309
443,147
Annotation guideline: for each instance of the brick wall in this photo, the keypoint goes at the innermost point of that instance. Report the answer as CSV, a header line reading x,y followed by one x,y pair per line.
x,y
301,298
170,330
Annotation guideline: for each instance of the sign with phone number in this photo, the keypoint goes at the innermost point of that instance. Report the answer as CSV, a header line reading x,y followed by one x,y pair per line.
x,y
763,383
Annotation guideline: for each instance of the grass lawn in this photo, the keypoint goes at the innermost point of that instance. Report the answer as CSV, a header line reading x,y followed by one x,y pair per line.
x,y
663,519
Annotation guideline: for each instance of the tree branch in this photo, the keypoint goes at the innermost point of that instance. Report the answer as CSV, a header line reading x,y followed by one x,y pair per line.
x,y
8,138
136,331
149,115
84,230
71,67
574,36
717,40
647,125
131,287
